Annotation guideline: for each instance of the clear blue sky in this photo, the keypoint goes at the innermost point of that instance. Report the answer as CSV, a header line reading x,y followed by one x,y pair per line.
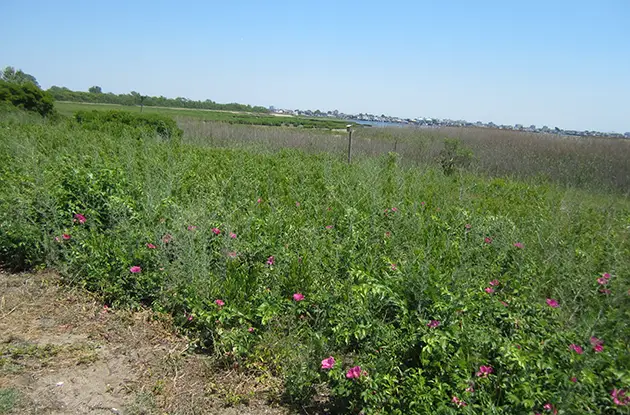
x,y
552,62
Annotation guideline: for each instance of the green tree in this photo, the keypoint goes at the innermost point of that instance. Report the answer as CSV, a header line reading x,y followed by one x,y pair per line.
x,y
9,74
95,90
28,97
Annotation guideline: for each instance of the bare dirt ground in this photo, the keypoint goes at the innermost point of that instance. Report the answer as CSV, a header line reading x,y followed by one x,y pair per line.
x,y
62,352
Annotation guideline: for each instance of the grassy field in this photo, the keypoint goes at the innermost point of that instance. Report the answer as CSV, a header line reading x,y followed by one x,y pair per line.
x,y
69,108
384,286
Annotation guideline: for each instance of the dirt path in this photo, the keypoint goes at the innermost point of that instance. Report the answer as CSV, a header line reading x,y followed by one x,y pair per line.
x,y
61,352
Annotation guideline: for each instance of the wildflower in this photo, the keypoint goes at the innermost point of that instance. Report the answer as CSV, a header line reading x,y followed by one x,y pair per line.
x,y
598,344
232,254
606,276
167,238
259,200
484,371
519,245
619,397
66,237
394,209
573,379
191,227
355,372
470,389
328,363
576,348
552,303
388,234
57,239
602,281
219,302
489,290
297,204
433,324
135,269
393,267
550,407
468,226
494,283
487,240
598,348
79,218
605,291
298,296
190,318
251,329
232,235
329,226
270,260
151,246
459,402
216,231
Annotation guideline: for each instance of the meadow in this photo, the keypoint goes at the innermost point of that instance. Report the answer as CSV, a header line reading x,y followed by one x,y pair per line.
x,y
385,285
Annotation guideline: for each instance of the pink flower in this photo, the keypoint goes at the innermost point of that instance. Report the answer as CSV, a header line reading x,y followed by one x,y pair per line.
x,y
619,397
219,302
484,371
388,234
459,402
433,324
602,281
297,204
259,200
598,348
547,406
504,303
57,239
328,363
552,303
573,379
489,290
190,318
394,209
606,276
576,348
135,269
251,329
216,231
151,246
191,227
329,226
470,389
232,254
232,235
393,267
605,291
298,297
468,226
79,218
355,373
595,341
270,260
494,283
518,245
487,240
66,237
422,203
167,238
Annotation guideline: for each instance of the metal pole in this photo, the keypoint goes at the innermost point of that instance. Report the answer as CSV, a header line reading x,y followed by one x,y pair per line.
x,y
349,128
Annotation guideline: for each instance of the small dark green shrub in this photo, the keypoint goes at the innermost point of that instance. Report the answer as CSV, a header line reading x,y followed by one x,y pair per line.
x,y
117,121
26,96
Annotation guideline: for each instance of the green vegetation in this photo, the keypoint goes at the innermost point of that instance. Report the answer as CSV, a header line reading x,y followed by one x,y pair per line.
x,y
69,108
25,96
8,400
399,290
119,122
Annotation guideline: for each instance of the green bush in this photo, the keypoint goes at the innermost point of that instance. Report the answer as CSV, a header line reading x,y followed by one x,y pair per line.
x,y
455,156
117,121
28,97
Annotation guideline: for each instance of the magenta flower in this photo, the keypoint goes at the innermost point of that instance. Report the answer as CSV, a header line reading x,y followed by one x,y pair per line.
x,y
606,275
216,231
494,283
423,203
550,407
232,254
605,291
135,269
190,318
484,371
79,218
598,344
191,227
468,226
167,238
487,240
219,302
355,373
151,246
259,200
433,324
57,239
393,267
552,303
576,348
394,209
619,397
470,389
489,290
251,329
573,379
270,260
602,281
66,237
232,235
328,363
519,245
598,348
297,204
459,402
329,226
298,297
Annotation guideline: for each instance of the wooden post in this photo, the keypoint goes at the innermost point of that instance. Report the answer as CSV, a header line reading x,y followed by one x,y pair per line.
x,y
349,129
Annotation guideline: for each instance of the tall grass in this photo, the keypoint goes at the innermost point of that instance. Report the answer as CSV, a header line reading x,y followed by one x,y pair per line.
x,y
378,249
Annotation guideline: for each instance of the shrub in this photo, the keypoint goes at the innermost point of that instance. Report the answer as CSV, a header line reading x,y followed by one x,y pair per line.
x,y
455,156
28,97
116,121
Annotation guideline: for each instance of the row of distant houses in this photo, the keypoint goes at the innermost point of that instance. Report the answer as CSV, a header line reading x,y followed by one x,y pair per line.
x,y
443,123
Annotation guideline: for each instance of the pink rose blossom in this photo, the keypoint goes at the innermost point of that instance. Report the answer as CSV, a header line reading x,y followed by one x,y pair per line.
x,y
298,297
552,303
151,246
489,290
433,324
232,235
270,260
251,329
135,269
602,281
494,283
79,218
355,373
519,245
191,227
219,302
576,348
328,363
606,276
66,237
619,397
484,371
216,231
459,402
487,240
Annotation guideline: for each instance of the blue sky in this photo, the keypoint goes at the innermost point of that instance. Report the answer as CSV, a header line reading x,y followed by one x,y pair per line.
x,y
553,62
